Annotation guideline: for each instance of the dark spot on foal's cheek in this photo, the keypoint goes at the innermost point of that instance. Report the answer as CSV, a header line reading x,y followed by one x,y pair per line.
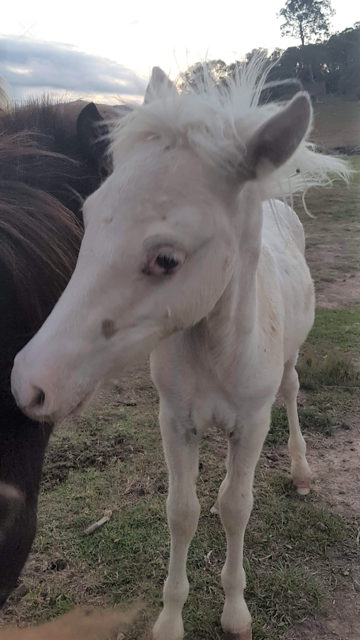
x,y
108,328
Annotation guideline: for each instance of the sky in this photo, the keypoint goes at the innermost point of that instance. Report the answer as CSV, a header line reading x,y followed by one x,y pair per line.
x,y
106,51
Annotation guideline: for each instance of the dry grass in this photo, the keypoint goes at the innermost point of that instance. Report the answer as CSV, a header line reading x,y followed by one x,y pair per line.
x,y
337,122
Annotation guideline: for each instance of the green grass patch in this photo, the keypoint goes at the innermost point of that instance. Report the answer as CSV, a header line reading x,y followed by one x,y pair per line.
x,y
338,203
310,419
329,370
327,357
336,328
89,446
288,542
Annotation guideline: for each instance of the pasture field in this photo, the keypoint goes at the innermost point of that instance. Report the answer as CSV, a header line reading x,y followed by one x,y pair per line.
x,y
337,122
302,555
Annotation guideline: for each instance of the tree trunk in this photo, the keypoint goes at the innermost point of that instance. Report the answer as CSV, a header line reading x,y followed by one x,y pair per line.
x,y
302,37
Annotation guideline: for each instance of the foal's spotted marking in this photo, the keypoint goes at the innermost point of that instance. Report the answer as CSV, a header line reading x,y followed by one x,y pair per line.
x,y
108,328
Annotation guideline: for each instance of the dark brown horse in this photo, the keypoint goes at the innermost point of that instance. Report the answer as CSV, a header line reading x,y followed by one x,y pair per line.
x,y
49,162
62,132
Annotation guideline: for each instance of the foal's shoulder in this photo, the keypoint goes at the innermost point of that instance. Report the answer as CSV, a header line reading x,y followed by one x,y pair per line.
x,y
281,225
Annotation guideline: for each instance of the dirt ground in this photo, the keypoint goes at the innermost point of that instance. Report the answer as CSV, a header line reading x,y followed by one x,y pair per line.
x,y
340,623
335,462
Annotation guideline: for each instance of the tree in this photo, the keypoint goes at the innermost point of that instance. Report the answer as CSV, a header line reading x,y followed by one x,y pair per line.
x,y
343,55
307,20
332,66
194,76
259,51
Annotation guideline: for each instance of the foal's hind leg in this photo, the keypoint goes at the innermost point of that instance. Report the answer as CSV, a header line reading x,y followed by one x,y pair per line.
x,y
300,470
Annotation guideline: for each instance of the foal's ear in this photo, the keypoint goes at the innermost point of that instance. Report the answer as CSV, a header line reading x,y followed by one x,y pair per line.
x,y
276,140
90,127
159,82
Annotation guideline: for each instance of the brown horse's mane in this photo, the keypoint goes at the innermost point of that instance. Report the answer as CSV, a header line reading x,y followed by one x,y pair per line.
x,y
49,162
38,235
47,167
43,145
56,121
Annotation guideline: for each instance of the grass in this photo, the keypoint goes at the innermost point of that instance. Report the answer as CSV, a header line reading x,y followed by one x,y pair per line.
x,y
333,239
112,459
331,370
337,122
336,329
327,204
311,419
329,356
288,543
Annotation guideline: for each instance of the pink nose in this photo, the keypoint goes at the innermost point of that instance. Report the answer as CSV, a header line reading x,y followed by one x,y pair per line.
x,y
31,396
34,404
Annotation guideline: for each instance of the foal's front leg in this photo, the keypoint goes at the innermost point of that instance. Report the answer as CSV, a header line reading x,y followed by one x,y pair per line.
x,y
235,503
181,444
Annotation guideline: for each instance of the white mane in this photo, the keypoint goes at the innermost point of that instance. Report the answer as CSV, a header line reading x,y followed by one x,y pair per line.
x,y
218,123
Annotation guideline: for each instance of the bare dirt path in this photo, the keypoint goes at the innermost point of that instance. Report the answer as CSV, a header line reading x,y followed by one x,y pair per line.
x,y
333,256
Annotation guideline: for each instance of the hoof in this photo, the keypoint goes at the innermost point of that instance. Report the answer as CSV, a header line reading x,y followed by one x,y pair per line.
x,y
168,627
303,491
242,635
303,488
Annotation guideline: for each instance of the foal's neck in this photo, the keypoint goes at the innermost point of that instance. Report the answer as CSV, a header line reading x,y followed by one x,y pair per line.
x,y
229,332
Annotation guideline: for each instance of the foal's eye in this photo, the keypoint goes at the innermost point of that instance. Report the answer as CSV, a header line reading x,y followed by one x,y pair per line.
x,y
164,261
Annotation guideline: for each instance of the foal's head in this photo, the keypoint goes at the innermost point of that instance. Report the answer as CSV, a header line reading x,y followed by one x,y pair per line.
x,y
160,244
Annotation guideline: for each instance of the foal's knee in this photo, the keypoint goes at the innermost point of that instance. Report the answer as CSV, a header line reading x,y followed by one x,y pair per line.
x,y
290,385
235,509
183,515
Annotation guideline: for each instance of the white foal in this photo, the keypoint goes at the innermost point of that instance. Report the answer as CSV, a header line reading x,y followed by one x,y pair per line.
x,y
185,257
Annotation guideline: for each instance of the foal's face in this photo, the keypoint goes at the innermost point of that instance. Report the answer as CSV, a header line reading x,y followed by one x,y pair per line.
x,y
155,258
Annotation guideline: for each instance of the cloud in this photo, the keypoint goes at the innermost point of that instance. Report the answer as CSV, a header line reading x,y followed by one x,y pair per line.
x,y
29,64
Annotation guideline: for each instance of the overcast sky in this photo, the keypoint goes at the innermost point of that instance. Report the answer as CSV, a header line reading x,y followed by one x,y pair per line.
x,y
70,48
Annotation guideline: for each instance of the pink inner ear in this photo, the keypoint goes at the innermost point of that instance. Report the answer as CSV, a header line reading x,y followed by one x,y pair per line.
x,y
276,140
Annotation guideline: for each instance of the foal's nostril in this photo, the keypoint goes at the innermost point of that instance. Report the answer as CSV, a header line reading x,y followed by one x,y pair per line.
x,y
39,398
